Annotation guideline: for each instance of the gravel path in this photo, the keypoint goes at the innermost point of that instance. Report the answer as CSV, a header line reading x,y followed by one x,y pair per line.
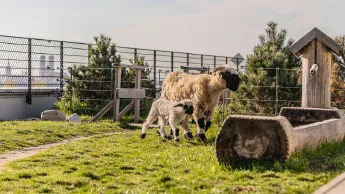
x,y
27,152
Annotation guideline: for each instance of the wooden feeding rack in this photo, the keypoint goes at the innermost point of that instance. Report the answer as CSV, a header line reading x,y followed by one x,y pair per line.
x,y
136,94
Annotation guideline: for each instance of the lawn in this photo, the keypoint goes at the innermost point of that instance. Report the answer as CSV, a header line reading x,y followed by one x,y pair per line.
x,y
124,163
20,134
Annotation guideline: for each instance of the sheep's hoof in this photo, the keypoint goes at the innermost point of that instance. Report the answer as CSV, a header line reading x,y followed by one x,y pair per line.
x,y
177,140
201,137
142,136
208,125
188,135
168,137
158,132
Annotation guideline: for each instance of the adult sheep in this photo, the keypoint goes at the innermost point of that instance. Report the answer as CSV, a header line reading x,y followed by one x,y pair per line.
x,y
204,90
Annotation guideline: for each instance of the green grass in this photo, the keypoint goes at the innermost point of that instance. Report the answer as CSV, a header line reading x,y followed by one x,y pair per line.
x,y
124,163
19,134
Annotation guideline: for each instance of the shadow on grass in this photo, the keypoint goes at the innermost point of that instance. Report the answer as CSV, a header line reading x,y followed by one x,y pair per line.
x,y
328,157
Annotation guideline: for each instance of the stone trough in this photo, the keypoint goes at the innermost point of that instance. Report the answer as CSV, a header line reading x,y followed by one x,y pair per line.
x,y
254,138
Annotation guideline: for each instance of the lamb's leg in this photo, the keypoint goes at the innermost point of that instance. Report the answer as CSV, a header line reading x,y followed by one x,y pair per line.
x,y
159,126
175,129
148,122
187,131
162,128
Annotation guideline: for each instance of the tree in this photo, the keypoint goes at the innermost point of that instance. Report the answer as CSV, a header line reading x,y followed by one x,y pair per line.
x,y
92,86
338,75
259,81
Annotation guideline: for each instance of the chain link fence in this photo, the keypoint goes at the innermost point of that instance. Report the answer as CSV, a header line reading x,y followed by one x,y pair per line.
x,y
37,67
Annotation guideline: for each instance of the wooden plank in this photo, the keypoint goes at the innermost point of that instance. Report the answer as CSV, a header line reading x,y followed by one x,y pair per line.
x,y
137,100
301,43
126,109
129,66
329,42
136,93
337,185
103,111
315,33
202,69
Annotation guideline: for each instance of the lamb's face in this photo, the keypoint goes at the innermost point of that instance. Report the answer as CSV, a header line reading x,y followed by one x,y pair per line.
x,y
187,106
188,109
231,77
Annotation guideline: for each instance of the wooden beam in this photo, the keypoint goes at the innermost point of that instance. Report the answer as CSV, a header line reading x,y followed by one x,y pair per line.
x,y
103,111
116,110
137,100
128,66
201,69
126,109
130,93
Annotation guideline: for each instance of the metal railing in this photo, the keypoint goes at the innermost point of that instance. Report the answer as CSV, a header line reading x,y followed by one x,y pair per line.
x,y
38,67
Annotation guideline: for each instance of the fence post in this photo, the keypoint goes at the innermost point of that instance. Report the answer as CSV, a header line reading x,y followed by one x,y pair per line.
x,y
226,60
28,96
135,55
202,60
215,61
155,71
71,84
159,78
112,82
61,68
237,63
223,108
172,61
187,59
88,51
277,91
137,101
116,108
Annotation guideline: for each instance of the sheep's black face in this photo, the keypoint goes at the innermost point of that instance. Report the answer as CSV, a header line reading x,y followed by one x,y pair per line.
x,y
232,79
188,109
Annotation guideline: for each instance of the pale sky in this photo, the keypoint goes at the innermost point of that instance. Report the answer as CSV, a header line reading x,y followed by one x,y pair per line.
x,y
217,27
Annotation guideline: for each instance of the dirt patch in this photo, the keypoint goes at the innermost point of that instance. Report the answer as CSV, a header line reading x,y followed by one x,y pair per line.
x,y
30,151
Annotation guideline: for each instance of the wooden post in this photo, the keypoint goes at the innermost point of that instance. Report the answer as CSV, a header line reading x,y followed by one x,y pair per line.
x,y
137,100
316,89
316,48
116,110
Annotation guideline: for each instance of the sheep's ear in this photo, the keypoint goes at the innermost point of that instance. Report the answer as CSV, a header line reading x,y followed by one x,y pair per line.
x,y
179,104
217,69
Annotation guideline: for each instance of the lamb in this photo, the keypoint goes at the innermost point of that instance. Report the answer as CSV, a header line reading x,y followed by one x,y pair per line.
x,y
165,111
204,90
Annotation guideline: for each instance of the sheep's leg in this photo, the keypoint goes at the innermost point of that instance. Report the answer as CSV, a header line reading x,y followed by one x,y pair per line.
x,y
187,131
209,119
148,122
200,126
175,129
162,128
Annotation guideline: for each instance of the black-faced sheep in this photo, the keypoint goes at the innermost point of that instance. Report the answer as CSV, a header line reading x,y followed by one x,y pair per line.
x,y
165,111
204,90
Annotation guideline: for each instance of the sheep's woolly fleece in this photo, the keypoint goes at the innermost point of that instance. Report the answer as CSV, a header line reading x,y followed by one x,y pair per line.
x,y
165,111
